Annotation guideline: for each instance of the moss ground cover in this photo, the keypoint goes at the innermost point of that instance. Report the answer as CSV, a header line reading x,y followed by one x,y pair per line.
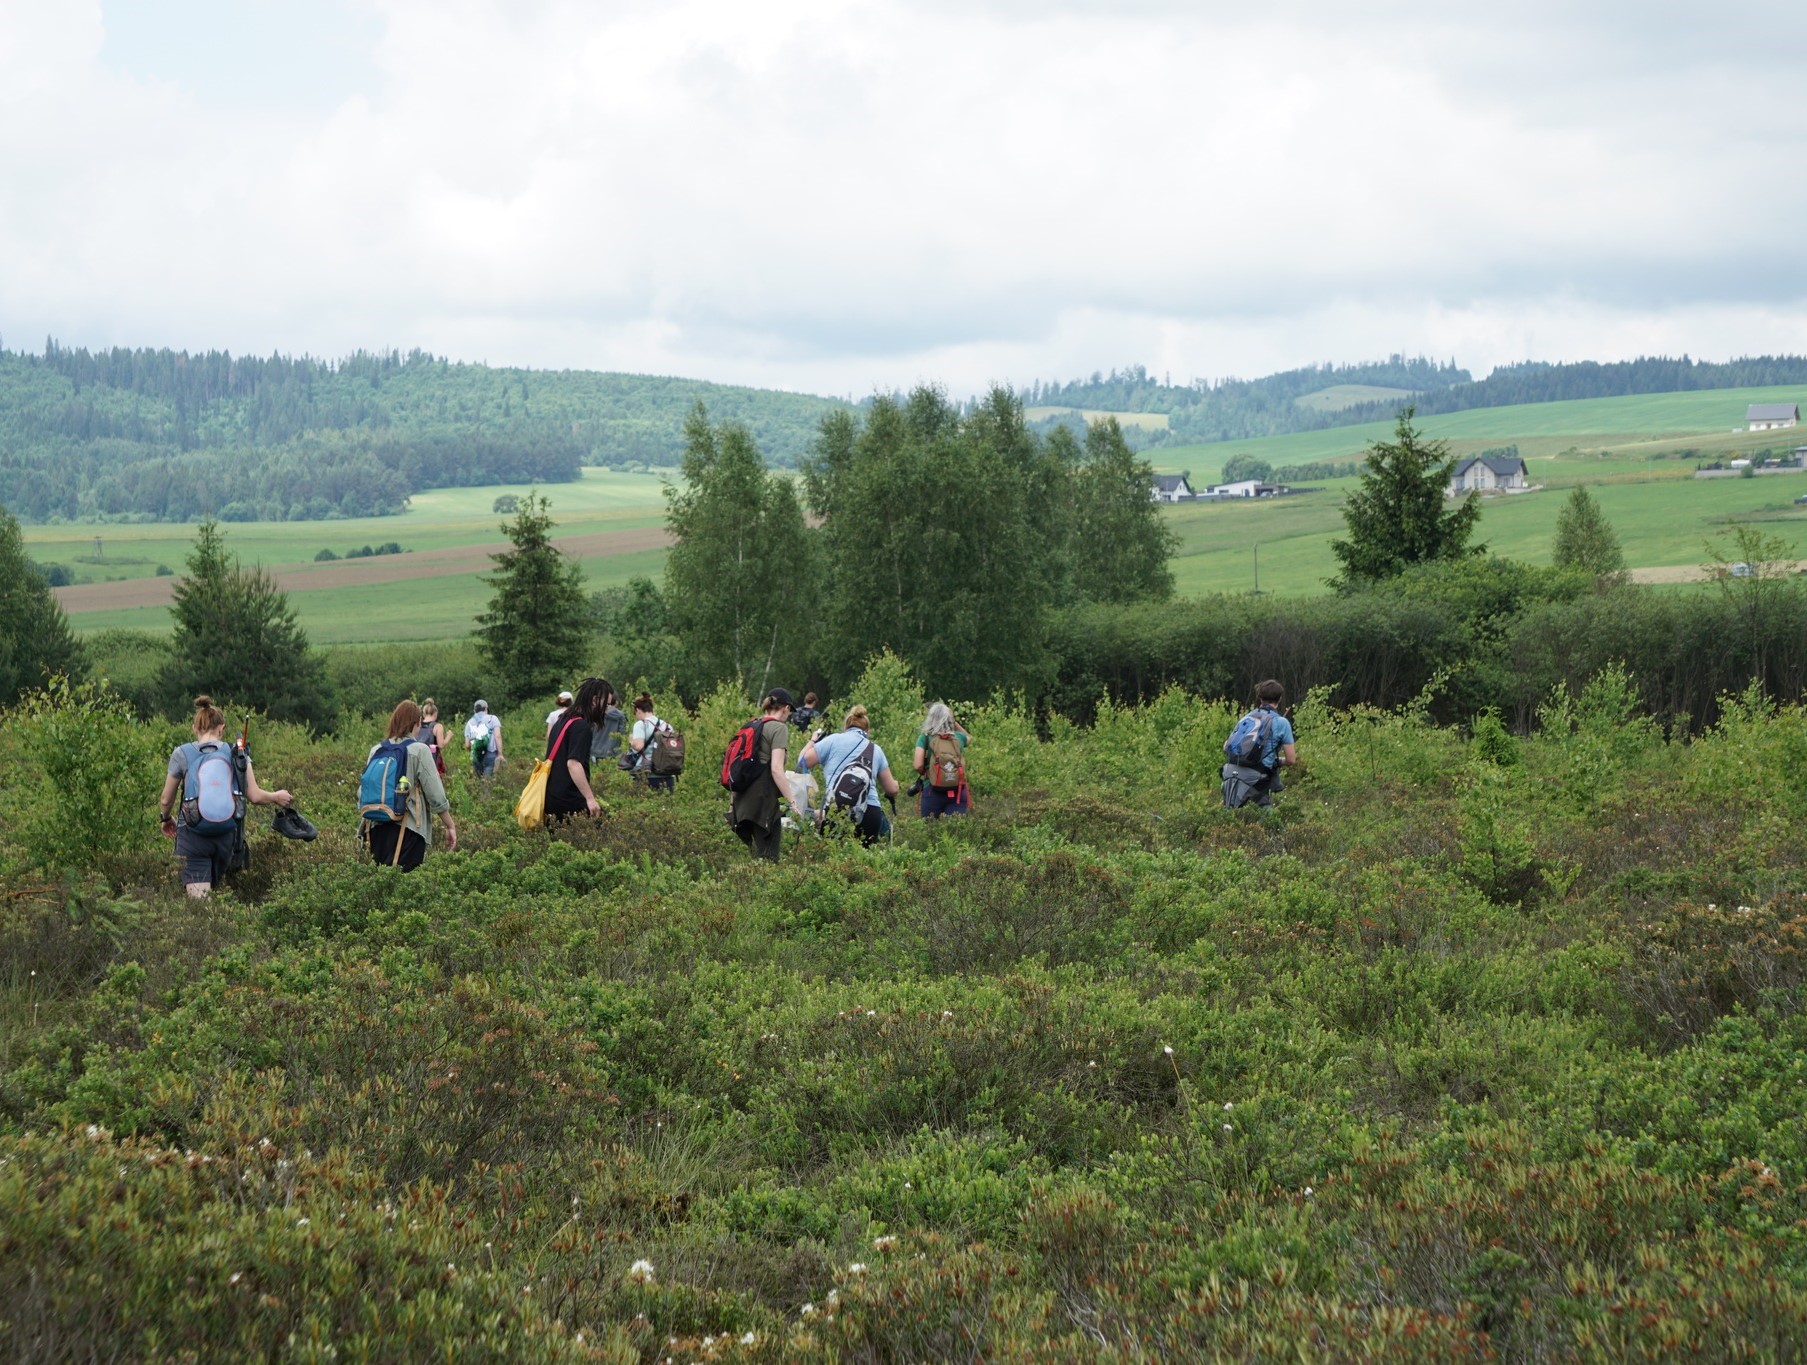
x,y
1481,1044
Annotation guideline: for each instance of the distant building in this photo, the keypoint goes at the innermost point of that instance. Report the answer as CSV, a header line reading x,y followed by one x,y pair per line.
x,y
1244,488
1489,474
1171,488
1772,416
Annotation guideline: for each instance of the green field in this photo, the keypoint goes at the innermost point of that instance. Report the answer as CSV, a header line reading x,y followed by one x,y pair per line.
x,y
1147,421
1340,396
1638,453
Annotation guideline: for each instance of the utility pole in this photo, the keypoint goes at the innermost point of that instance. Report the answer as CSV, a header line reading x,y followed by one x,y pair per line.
x,y
1257,568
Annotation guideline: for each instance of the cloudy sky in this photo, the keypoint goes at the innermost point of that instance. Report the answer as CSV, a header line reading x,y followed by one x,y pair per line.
x,y
843,196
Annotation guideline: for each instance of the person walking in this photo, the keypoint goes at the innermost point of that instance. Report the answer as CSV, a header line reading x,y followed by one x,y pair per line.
x,y
432,733
804,718
205,791
854,771
404,843
940,763
755,812
568,790
606,740
483,737
1261,744
553,716
647,726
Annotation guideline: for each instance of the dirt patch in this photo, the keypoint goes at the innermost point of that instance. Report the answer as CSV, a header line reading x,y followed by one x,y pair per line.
x,y
1694,573
352,573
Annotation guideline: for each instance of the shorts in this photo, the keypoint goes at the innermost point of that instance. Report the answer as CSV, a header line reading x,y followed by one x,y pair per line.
x,y
382,847
206,858
937,802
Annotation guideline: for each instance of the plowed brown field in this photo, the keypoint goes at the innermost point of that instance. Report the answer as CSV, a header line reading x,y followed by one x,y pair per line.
x,y
349,573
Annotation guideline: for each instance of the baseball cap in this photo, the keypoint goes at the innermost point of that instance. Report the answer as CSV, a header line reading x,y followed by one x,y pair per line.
x,y
780,697
564,694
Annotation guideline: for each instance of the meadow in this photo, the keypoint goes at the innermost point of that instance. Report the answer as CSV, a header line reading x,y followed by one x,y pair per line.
x,y
1637,453
1478,1046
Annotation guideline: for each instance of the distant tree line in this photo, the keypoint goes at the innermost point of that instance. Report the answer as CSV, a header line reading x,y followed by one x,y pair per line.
x,y
164,435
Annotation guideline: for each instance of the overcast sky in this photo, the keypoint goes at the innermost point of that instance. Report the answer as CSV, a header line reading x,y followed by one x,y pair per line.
x,y
838,197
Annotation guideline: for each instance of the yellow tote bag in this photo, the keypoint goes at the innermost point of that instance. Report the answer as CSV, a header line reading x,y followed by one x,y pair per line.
x,y
530,810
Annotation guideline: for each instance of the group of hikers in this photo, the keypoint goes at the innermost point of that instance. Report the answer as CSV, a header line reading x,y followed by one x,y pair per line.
x,y
210,781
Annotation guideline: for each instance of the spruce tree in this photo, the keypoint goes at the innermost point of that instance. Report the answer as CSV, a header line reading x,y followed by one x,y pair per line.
x,y
35,639
237,639
1398,516
536,631
1584,538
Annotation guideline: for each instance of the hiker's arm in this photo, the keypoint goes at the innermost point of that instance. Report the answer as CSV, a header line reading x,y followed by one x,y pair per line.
x,y
636,742
1289,754
920,759
778,773
888,782
426,778
166,803
258,796
581,780
809,758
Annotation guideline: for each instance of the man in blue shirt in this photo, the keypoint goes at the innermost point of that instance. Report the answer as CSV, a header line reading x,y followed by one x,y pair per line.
x,y
836,755
1279,749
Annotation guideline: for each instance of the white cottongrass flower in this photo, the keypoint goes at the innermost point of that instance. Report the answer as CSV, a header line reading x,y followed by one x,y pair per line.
x,y
883,1243
1309,1192
641,1272
1168,1051
857,1268
301,1222
237,1275
807,1311
1228,1129
748,1339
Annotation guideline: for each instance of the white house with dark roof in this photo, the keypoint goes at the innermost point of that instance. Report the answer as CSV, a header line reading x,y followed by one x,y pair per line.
x,y
1171,488
1772,416
1489,474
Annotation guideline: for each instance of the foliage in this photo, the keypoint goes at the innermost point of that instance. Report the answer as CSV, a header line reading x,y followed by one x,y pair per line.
x,y
1478,1046
637,624
535,631
1396,518
82,777
942,536
1120,544
1584,538
740,556
35,639
237,639
1238,468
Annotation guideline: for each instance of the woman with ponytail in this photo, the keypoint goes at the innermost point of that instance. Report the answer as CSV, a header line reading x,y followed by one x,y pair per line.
x,y
204,794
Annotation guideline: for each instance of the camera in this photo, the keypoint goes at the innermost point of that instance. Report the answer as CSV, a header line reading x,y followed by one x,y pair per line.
x,y
914,789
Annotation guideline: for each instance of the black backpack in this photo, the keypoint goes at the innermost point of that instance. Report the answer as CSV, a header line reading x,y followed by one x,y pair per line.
x,y
853,788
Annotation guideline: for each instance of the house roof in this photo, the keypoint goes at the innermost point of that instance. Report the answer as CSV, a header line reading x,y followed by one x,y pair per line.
x,y
1170,483
1503,465
1773,412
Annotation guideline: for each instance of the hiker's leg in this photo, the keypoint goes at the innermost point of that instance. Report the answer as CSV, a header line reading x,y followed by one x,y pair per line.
x,y
201,863
765,843
871,826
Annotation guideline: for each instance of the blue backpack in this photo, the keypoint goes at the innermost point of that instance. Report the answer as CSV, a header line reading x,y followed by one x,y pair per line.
x,y
213,798
383,790
1249,740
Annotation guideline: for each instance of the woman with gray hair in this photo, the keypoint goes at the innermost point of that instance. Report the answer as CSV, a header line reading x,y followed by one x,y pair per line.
x,y
940,758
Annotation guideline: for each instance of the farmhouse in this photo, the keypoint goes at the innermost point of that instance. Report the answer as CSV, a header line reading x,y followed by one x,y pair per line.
x,y
1489,473
1244,488
1172,488
1772,416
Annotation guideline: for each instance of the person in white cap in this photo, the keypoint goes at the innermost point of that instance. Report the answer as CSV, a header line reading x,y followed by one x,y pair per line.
x,y
556,713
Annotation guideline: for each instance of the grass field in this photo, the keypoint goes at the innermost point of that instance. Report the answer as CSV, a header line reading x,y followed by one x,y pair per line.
x,y
1147,421
1340,396
1638,453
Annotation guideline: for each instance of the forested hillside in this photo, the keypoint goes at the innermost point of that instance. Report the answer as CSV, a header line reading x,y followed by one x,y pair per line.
x,y
1246,409
167,436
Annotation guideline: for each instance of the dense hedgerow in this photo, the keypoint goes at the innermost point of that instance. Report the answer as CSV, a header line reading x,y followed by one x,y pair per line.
x,y
1480,1043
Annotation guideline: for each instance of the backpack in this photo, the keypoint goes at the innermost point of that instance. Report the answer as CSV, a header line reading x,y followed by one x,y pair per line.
x,y
383,793
425,736
666,752
946,768
480,745
1249,740
213,796
740,764
853,788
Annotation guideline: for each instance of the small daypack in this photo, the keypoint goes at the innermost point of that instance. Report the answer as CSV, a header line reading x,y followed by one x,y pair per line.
x,y
213,797
427,737
853,788
480,745
383,790
946,763
1249,740
740,764
666,758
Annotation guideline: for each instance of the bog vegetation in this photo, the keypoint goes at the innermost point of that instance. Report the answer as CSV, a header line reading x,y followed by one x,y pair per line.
x,y
1482,1043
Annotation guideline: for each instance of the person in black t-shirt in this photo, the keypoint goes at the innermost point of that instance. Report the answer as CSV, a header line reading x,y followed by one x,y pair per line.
x,y
568,790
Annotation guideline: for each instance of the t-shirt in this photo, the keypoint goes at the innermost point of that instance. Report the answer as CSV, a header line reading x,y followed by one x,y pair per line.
x,y
570,741
759,802
837,751
1277,738
553,715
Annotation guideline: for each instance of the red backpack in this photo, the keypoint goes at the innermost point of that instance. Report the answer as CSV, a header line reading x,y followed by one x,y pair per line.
x,y
740,765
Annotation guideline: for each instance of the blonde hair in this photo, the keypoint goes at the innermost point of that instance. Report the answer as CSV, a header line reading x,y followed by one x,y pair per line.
x,y
856,716
404,721
429,709
208,716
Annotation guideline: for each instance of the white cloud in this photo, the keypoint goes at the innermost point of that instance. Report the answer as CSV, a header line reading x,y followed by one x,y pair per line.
x,y
838,196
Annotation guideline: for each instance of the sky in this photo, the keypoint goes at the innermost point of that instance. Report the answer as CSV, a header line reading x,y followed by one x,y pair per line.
x,y
843,196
